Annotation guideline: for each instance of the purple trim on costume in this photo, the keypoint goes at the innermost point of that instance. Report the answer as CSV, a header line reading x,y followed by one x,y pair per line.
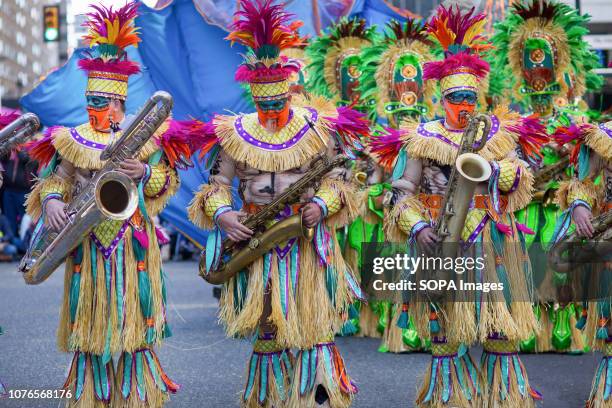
x,y
85,142
51,196
164,188
424,132
270,97
107,252
515,184
327,343
578,202
496,336
267,336
147,174
221,210
451,90
501,353
418,227
282,252
604,128
321,203
476,232
247,137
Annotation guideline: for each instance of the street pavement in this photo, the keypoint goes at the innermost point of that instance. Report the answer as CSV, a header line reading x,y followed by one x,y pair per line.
x,y
210,367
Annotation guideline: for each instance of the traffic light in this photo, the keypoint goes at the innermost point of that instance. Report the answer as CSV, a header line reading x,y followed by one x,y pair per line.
x,y
51,23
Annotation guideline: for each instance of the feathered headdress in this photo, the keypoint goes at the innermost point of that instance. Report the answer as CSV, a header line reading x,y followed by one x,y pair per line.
x,y
265,28
563,28
388,88
460,36
328,52
109,33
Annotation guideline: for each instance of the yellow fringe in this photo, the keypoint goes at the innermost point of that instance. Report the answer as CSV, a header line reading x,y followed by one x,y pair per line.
x,y
384,73
332,56
196,212
352,202
518,322
544,338
88,398
33,202
273,399
155,205
458,399
597,401
513,397
245,322
559,37
337,398
278,161
368,323
92,316
393,335
155,398
574,187
599,141
86,158
497,147
392,230
521,197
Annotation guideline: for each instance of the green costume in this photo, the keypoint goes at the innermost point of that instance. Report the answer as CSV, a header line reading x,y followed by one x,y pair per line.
x,y
546,67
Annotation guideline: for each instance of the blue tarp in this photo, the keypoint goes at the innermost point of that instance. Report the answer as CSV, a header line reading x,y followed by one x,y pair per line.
x,y
181,54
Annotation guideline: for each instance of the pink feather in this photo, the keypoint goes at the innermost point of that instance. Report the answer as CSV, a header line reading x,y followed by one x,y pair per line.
x,y
440,69
386,144
352,126
123,67
8,118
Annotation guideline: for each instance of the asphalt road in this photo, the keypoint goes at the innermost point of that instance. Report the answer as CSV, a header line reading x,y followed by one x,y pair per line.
x,y
210,367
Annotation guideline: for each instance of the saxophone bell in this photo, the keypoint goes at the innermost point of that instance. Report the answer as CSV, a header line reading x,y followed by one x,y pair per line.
x,y
116,195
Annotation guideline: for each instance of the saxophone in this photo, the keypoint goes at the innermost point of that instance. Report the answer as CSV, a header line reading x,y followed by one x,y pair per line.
x,y
568,253
542,177
264,240
18,131
470,169
110,194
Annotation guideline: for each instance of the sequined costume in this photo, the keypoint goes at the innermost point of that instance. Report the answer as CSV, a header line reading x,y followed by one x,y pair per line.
x,y
296,296
394,90
421,155
114,300
335,72
548,66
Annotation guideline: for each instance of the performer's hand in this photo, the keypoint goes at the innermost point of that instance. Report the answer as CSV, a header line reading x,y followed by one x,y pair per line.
x,y
582,219
133,168
230,223
427,239
311,214
56,217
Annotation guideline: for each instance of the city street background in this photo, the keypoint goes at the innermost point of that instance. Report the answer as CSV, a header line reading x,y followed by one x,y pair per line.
x,y
211,367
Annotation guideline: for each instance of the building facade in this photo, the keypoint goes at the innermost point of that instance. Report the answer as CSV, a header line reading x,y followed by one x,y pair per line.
x,y
24,56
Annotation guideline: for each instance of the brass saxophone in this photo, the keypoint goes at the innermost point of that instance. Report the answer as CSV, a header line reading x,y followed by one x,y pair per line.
x,y
264,240
470,169
542,177
18,131
110,194
568,253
